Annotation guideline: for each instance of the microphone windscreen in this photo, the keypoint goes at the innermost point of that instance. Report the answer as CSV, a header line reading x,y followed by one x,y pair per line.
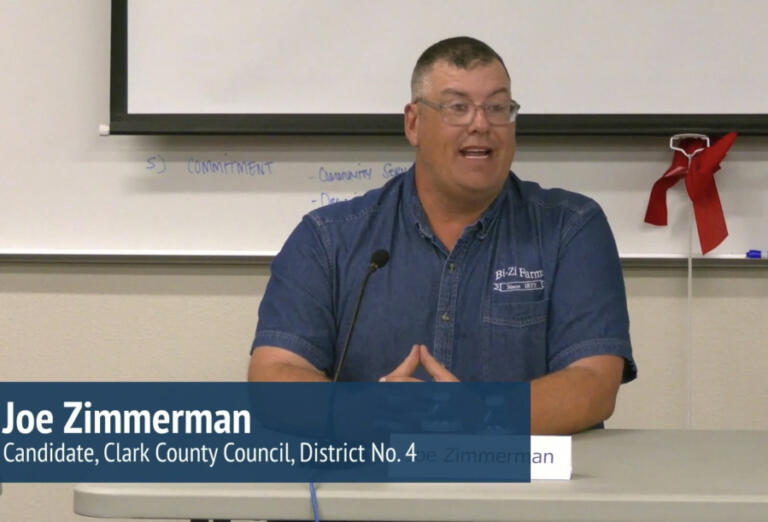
x,y
379,258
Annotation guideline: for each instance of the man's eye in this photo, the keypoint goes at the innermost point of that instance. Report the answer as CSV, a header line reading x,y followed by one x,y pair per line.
x,y
458,108
496,108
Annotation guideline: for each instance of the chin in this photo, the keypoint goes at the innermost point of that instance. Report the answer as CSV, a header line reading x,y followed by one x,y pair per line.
x,y
482,182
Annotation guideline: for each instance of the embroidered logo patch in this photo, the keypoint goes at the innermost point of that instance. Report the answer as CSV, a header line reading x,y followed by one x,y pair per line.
x,y
518,279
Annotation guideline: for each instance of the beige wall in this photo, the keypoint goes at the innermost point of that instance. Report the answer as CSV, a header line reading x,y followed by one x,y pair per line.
x,y
727,360
119,322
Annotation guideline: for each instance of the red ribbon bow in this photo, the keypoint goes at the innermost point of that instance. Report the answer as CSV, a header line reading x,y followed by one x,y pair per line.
x,y
700,183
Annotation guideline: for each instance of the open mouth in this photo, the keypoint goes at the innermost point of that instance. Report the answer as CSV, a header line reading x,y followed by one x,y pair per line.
x,y
475,152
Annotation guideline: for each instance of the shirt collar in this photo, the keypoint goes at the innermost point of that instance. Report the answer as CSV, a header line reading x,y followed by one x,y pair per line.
x,y
416,211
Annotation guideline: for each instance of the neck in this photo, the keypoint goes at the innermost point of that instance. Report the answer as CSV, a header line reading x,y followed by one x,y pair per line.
x,y
449,216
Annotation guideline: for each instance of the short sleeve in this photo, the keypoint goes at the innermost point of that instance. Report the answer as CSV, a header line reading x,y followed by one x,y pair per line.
x,y
296,312
588,304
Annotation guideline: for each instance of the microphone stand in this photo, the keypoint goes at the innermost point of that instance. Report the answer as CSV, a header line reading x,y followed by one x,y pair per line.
x,y
378,260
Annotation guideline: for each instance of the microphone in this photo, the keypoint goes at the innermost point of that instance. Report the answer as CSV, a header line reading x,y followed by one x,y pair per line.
x,y
378,260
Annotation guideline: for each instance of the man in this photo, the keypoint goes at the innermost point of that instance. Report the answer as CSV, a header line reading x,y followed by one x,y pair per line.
x,y
490,278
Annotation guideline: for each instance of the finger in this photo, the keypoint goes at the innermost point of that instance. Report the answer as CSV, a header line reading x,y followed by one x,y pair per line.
x,y
408,366
390,378
438,372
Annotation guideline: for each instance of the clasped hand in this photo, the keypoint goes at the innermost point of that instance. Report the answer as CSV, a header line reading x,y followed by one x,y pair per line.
x,y
419,356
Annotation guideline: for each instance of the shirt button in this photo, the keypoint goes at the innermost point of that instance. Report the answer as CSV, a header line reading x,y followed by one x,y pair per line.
x,y
452,267
445,317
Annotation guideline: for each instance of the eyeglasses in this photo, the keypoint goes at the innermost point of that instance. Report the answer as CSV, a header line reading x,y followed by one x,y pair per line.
x,y
463,112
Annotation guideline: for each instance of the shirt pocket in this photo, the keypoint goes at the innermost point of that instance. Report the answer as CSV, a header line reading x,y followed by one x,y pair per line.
x,y
516,314
515,340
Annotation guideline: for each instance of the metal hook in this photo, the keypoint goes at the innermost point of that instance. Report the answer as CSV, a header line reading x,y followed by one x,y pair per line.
x,y
674,140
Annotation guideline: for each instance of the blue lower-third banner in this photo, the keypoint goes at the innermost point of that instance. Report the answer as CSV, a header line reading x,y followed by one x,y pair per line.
x,y
264,432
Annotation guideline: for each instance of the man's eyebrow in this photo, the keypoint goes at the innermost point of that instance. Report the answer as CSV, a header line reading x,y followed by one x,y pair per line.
x,y
499,91
455,92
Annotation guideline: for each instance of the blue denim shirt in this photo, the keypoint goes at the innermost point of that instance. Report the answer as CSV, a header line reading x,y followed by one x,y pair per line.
x,y
534,285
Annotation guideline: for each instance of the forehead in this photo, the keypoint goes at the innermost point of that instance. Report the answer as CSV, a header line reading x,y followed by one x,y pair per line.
x,y
480,80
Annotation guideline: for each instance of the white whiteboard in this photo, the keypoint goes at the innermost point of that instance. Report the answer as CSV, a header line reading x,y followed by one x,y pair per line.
x,y
355,56
64,189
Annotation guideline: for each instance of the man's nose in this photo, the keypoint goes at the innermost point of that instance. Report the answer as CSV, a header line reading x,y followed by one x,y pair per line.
x,y
479,121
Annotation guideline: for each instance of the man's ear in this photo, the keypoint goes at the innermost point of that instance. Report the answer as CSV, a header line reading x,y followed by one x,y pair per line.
x,y
411,121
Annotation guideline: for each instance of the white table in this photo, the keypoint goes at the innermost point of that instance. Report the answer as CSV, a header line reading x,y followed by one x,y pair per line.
x,y
618,475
